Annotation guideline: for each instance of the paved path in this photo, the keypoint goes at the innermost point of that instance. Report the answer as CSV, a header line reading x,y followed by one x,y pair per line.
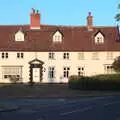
x,y
99,108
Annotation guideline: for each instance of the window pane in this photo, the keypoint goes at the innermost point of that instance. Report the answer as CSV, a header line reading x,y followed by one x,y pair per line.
x,y
21,55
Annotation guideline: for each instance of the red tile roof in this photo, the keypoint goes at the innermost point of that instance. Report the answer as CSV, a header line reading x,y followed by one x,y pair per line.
x,y
74,39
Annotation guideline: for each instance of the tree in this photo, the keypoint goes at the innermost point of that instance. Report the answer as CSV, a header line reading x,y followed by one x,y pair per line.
x,y
116,64
117,17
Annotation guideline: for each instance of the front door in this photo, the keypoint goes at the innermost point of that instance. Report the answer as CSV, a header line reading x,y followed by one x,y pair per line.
x,y
36,74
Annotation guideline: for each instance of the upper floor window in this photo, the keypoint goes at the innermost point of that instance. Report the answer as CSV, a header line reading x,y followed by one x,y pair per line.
x,y
81,56
95,55
99,38
19,36
4,55
57,36
20,55
66,55
51,55
109,56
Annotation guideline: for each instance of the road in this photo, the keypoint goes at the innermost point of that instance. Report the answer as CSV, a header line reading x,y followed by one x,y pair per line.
x,y
96,108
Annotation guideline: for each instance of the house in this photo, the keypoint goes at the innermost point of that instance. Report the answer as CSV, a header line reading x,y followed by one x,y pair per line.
x,y
50,53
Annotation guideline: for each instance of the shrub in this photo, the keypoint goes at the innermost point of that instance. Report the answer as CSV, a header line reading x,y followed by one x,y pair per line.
x,y
13,79
99,82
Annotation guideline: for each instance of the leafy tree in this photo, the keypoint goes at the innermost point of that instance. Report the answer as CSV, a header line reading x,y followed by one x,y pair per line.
x,y
116,64
117,17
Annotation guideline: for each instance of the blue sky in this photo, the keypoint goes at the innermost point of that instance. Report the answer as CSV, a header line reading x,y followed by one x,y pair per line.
x,y
59,12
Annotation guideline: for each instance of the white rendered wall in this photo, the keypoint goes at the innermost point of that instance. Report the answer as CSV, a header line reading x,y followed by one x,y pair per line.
x,y
92,67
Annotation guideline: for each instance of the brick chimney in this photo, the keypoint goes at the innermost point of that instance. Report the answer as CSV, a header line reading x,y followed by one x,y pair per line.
x,y
34,19
89,21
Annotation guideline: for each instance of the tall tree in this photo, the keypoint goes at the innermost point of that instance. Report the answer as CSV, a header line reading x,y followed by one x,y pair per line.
x,y
117,17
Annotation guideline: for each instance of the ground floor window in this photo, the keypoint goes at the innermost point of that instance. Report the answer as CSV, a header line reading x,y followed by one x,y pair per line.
x,y
108,69
51,72
81,71
66,72
12,71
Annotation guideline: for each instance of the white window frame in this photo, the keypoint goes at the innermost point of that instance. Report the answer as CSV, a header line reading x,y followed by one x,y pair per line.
x,y
20,55
57,37
8,71
51,55
19,36
99,38
109,55
4,55
81,71
51,72
81,56
66,55
108,69
95,56
66,72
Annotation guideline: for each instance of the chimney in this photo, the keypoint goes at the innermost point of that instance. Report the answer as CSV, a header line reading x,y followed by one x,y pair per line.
x,y
89,21
34,19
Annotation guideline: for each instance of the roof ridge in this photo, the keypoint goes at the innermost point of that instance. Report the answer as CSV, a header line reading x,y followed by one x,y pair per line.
x,y
14,25
104,26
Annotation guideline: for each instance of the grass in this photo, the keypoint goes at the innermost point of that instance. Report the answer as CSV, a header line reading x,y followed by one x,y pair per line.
x,y
46,91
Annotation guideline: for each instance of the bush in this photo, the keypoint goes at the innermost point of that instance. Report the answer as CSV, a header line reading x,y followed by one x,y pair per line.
x,y
99,82
13,79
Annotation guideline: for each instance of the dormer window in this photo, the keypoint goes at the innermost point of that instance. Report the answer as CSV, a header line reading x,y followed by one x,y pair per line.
x,y
57,36
19,36
99,38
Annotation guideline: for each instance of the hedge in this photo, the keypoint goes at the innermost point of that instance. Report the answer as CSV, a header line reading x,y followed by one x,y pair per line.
x,y
99,82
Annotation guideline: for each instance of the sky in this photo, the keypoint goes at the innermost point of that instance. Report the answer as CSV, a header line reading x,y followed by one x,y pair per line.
x,y
59,12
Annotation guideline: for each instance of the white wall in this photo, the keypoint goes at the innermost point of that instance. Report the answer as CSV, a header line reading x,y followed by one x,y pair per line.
x,y
91,67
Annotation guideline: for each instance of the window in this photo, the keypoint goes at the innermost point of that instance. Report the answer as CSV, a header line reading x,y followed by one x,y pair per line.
x,y
81,56
12,71
95,56
99,38
51,72
80,71
20,55
65,55
57,37
51,55
19,36
108,69
66,72
109,56
4,55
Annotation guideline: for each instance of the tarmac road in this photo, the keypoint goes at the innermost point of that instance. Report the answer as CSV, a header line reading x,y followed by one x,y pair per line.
x,y
96,108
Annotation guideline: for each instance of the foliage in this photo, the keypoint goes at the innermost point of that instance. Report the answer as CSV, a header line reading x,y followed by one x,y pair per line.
x,y
100,82
116,64
117,17
13,79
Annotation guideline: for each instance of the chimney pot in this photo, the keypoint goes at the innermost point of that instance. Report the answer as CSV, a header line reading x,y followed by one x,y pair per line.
x,y
35,19
37,11
33,10
89,14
